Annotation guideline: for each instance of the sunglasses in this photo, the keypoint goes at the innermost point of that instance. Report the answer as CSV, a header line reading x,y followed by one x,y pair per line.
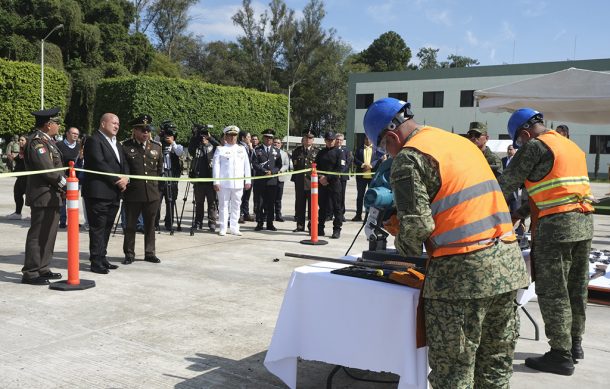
x,y
474,135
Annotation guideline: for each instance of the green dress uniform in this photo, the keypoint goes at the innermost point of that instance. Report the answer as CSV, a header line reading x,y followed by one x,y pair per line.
x,y
302,158
467,297
44,196
560,248
142,196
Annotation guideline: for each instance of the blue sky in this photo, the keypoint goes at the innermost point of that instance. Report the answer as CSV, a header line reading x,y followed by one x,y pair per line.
x,y
493,31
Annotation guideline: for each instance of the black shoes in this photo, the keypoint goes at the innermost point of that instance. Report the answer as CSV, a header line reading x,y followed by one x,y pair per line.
x,y
259,227
357,218
62,225
336,234
152,259
321,232
128,260
279,219
51,276
40,280
554,361
241,220
109,265
271,227
577,351
212,227
98,268
299,229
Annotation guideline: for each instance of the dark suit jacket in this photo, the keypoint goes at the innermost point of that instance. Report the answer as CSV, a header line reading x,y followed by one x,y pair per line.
x,y
504,162
263,162
100,156
359,159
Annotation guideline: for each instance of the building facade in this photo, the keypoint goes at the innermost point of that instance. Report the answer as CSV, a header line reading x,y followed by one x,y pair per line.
x,y
444,98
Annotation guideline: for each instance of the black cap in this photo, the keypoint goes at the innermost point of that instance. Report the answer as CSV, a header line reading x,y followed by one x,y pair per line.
x,y
46,115
308,134
143,120
330,135
268,132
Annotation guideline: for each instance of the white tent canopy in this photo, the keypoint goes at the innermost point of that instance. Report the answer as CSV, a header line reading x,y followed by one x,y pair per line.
x,y
571,95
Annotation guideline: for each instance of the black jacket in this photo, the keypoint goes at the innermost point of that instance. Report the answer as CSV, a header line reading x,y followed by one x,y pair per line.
x,y
263,162
99,156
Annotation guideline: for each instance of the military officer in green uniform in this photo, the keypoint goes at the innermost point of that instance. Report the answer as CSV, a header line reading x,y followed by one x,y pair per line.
x,y
144,157
475,266
554,171
44,196
477,133
302,158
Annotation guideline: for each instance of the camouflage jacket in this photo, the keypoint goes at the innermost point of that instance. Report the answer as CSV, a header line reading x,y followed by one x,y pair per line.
x,y
498,269
533,161
495,162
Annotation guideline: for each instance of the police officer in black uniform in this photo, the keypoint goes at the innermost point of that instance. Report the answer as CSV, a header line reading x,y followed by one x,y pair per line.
x,y
43,194
144,157
302,158
266,161
329,159
202,147
346,162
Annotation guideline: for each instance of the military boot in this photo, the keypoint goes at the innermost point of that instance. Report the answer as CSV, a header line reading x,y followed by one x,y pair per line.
x,y
554,361
577,351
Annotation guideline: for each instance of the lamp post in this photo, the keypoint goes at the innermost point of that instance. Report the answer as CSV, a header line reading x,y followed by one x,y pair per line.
x,y
42,64
290,87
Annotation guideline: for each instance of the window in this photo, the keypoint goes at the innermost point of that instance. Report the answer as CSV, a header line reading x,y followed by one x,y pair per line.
x,y
433,99
601,141
404,96
364,100
504,137
467,98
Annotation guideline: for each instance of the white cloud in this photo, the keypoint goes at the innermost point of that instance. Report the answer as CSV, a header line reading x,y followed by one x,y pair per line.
x,y
507,32
215,23
492,55
560,34
533,8
439,17
383,12
471,38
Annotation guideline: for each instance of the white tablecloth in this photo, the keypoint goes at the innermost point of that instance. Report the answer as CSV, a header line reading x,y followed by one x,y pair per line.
x,y
347,321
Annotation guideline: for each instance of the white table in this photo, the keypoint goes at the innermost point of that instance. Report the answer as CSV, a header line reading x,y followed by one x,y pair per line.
x,y
347,321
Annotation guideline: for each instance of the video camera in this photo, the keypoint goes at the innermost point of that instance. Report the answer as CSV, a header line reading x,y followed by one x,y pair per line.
x,y
201,130
168,128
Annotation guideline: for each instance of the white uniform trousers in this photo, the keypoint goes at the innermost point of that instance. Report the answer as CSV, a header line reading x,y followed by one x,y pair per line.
x,y
229,202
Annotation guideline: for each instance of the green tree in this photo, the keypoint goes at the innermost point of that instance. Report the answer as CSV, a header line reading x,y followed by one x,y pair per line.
x,y
263,47
458,61
169,22
427,58
389,52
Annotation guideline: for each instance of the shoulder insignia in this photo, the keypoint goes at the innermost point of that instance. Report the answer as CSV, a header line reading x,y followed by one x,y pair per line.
x,y
41,150
38,145
156,142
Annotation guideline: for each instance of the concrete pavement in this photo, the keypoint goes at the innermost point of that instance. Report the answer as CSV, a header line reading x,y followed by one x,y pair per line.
x,y
203,318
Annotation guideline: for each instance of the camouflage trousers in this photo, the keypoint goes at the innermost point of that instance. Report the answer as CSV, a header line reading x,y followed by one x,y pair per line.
x,y
471,342
562,275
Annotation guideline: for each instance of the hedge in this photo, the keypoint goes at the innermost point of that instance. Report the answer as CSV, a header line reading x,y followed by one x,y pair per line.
x,y
186,102
20,94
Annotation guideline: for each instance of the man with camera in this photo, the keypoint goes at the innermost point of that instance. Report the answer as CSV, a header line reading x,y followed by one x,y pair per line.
x,y
172,167
202,147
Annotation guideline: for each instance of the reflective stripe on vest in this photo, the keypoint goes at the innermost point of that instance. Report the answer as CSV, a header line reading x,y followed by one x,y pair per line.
x,y
469,210
566,187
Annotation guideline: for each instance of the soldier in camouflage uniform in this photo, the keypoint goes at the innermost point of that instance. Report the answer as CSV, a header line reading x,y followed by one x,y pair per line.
x,y
561,245
470,313
477,133
44,196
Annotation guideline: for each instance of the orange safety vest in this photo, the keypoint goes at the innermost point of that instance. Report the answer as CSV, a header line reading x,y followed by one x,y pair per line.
x,y
469,210
566,188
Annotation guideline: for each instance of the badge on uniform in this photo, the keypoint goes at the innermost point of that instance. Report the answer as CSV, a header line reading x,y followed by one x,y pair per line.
x,y
342,162
42,150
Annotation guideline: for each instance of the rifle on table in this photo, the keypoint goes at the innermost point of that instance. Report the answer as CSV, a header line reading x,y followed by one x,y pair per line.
x,y
404,273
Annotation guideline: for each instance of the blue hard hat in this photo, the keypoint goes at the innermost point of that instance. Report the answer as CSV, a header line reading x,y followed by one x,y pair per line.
x,y
520,118
381,115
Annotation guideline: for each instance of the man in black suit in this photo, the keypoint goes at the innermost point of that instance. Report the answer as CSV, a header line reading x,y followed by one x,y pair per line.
x,y
43,194
266,161
102,193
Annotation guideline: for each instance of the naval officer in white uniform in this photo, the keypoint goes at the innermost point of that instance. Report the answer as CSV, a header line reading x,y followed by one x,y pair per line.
x,y
230,161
